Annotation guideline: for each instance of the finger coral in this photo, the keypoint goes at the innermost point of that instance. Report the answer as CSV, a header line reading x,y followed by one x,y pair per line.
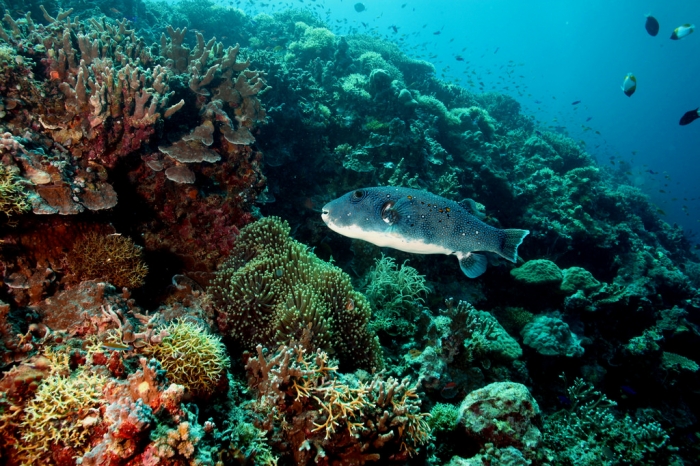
x,y
113,258
192,357
273,288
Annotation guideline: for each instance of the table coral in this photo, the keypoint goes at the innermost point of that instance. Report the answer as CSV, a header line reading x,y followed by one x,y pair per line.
x,y
273,288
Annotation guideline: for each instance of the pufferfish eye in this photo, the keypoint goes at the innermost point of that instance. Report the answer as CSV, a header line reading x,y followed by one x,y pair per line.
x,y
358,195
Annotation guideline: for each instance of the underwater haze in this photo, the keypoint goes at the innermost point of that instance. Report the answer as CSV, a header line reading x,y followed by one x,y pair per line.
x,y
337,232
550,54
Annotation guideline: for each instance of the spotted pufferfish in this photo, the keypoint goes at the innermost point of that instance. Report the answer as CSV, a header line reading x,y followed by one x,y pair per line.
x,y
419,222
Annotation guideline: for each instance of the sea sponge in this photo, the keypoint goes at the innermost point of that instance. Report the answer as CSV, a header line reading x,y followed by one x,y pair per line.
x,y
191,356
114,258
273,288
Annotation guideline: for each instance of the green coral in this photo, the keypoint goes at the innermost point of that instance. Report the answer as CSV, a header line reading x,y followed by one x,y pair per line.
x,y
13,196
538,272
314,42
444,417
396,294
589,433
273,289
191,356
355,86
578,278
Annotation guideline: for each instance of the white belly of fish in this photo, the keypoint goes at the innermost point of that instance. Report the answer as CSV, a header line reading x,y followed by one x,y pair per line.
x,y
391,240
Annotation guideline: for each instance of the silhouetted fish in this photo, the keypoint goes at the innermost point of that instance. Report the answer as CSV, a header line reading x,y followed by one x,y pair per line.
x,y
652,25
575,102
689,117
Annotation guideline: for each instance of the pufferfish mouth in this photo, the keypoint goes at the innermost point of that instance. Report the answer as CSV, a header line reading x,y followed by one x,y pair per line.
x,y
324,214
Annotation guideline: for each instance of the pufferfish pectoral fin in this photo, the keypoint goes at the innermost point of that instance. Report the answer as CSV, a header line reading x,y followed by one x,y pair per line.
x,y
472,264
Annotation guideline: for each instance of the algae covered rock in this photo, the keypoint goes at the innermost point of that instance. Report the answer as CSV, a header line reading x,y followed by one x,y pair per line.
x,y
538,272
501,414
551,336
577,278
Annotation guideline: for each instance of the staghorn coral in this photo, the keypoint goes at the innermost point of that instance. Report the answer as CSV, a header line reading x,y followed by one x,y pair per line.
x,y
192,357
332,417
114,258
273,288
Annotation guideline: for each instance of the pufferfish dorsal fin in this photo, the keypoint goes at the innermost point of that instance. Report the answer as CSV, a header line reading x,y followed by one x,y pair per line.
x,y
473,207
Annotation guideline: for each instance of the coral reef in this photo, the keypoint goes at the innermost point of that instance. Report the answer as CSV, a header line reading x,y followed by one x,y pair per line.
x,y
319,415
113,258
191,357
115,154
272,289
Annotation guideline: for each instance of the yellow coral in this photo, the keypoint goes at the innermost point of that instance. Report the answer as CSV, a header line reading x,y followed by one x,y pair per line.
x,y
114,258
13,197
61,413
192,357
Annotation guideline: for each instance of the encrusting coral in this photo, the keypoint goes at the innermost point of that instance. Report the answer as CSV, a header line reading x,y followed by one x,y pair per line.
x,y
273,288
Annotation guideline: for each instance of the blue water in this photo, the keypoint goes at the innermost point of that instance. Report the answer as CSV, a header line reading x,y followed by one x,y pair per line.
x,y
548,54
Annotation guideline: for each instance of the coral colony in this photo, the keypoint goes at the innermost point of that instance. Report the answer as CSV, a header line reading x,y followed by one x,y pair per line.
x,y
171,296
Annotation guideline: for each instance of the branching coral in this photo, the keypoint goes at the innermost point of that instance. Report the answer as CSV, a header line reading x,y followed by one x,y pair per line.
x,y
332,417
192,357
113,258
589,433
273,288
396,293
61,413
13,196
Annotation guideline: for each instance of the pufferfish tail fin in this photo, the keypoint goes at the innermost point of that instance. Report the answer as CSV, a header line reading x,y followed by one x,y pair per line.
x,y
511,240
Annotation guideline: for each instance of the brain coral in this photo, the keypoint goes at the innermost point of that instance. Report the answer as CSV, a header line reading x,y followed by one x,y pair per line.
x,y
272,288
